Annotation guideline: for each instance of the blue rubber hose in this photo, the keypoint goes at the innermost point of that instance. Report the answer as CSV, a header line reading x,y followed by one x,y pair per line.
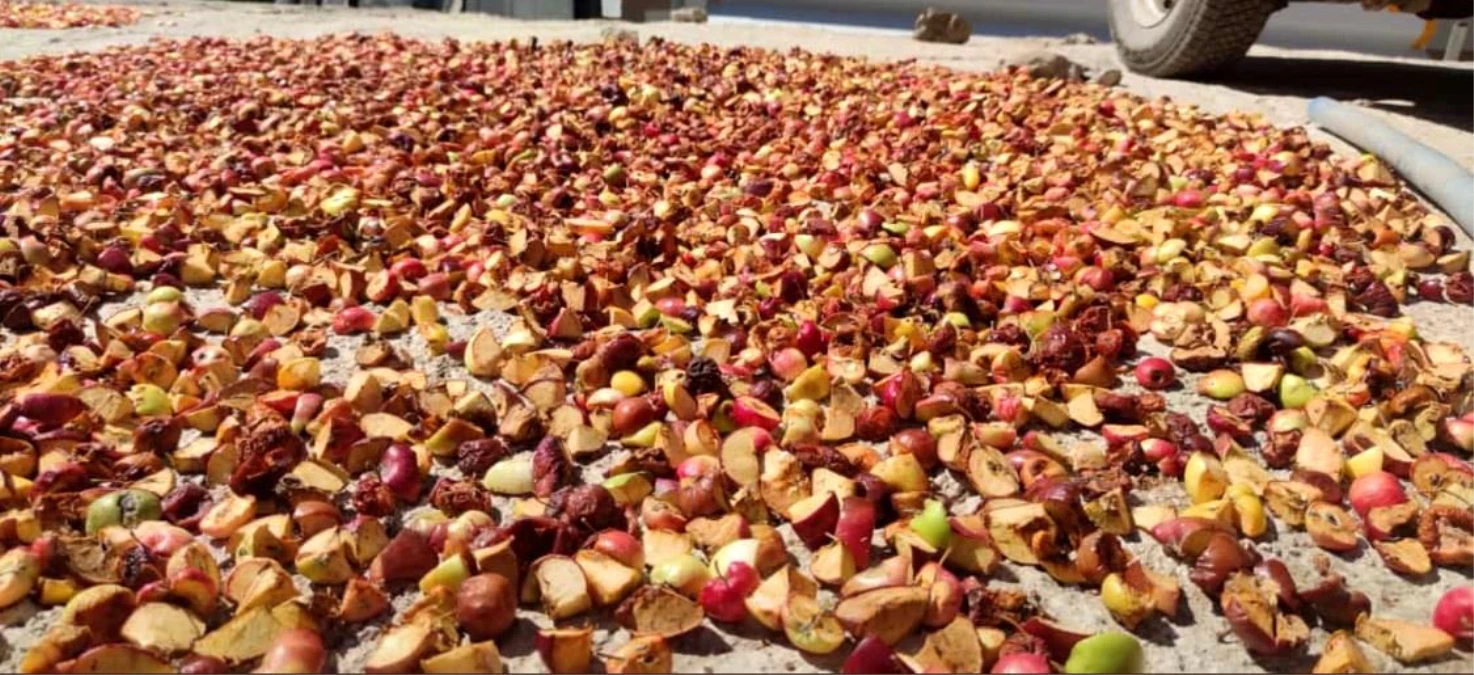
x,y
1433,173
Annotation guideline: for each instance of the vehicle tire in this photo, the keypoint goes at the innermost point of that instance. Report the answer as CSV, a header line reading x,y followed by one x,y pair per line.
x,y
1172,38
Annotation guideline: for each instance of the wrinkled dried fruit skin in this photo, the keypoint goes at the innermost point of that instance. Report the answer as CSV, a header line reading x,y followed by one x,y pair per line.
x,y
267,453
587,509
372,497
550,467
475,457
185,505
1447,532
455,497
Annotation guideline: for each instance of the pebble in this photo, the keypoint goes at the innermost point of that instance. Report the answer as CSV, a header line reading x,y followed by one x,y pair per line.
x,y
688,15
946,27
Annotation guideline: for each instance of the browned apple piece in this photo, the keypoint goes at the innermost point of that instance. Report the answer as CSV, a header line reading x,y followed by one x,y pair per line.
x,y
783,481
401,648
100,609
712,533
1341,655
662,545
642,654
765,604
1289,499
991,640
740,458
408,556
499,558
889,614
1334,603
1405,556
562,587
609,581
1251,605
1407,642
1164,590
1397,520
1110,512
362,601
1331,527
243,638
1320,453
1185,537
565,650
1014,527
1435,475
1447,532
1099,554
832,564
893,571
659,610
473,657
162,628
953,648
990,473
972,548
1222,557
119,658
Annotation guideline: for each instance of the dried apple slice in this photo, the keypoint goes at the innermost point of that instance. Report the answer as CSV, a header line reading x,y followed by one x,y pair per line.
x,y
401,648
1341,655
1251,606
561,585
474,657
245,637
642,654
810,628
954,648
659,610
565,650
1405,641
1013,528
1331,527
609,581
162,628
887,613
990,473
119,658
1405,556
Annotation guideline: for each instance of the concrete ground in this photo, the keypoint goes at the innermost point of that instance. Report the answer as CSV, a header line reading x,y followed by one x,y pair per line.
x,y
1275,82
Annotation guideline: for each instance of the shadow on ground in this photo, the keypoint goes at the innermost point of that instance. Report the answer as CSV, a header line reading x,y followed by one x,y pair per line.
x,y
1435,93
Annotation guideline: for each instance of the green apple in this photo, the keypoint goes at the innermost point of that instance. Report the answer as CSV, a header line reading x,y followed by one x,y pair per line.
x,y
1111,652
932,525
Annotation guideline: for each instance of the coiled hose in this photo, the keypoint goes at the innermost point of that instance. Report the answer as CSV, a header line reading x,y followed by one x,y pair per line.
x,y
1433,173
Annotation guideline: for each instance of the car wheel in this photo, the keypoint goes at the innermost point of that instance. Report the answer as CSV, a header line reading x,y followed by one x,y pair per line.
x,y
1171,38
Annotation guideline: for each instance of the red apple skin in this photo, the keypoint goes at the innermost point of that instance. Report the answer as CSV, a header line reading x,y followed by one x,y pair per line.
x,y
621,546
873,655
1022,662
816,527
750,412
945,600
1454,614
855,526
1374,490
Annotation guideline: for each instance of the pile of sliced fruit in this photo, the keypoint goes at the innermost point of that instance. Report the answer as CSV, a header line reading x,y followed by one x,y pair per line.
x,y
305,337
64,15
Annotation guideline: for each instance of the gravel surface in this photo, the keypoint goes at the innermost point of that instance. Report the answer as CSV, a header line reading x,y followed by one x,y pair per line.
x,y
1198,640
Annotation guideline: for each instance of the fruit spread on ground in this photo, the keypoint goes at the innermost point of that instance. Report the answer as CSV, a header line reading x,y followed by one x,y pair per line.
x,y
306,336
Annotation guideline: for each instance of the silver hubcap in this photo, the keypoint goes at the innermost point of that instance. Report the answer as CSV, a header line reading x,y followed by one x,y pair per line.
x,y
1148,13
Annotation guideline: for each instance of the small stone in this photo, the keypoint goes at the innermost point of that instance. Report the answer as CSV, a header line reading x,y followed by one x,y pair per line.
x,y
1109,78
688,15
934,26
1079,39
1042,64
612,34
